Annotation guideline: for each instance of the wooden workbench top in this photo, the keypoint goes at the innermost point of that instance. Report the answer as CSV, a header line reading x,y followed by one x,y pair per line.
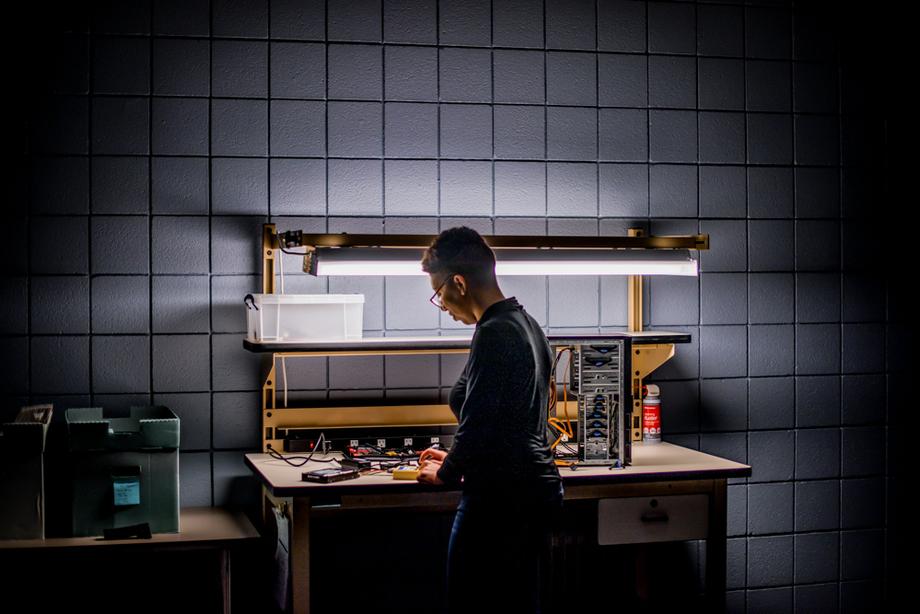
x,y
209,526
651,462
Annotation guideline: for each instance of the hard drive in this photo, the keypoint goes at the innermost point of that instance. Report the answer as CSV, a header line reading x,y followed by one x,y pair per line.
x,y
330,475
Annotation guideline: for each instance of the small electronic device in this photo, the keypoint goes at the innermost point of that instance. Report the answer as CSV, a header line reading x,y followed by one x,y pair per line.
x,y
141,531
356,463
325,476
406,472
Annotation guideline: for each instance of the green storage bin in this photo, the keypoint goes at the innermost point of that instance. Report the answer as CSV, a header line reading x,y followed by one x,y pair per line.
x,y
125,470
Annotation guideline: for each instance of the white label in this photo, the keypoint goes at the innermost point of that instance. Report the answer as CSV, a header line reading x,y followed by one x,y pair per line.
x,y
407,441
565,437
353,443
435,440
381,443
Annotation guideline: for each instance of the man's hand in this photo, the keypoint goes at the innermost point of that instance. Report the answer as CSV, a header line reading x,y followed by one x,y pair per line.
x,y
436,454
428,472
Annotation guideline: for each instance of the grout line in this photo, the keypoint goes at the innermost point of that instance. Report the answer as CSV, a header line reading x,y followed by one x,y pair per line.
x,y
383,169
747,490
646,286
91,65
546,105
597,154
327,359
150,279
211,452
791,75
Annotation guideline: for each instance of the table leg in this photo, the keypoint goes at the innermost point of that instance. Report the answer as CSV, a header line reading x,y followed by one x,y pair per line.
x,y
642,592
716,547
300,554
224,555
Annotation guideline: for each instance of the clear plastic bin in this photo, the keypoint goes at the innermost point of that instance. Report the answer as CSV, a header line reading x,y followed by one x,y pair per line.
x,y
295,317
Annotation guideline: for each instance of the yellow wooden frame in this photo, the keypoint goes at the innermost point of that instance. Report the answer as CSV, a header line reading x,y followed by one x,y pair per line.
x,y
645,358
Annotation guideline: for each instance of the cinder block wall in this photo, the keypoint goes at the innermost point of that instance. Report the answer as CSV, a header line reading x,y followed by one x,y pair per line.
x,y
161,135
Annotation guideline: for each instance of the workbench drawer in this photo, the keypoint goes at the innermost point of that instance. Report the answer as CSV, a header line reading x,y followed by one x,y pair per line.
x,y
633,520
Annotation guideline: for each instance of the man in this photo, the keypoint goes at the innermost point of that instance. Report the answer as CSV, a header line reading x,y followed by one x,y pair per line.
x,y
511,488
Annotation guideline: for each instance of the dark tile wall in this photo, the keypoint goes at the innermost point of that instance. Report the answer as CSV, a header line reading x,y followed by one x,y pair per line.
x,y
160,136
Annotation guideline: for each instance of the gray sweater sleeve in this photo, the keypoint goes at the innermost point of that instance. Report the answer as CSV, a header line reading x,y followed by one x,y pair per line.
x,y
488,368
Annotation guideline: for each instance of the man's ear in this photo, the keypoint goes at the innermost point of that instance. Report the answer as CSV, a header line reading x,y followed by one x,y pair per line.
x,y
460,282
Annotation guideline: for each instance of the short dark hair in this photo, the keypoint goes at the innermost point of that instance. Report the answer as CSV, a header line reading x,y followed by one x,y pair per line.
x,y
461,250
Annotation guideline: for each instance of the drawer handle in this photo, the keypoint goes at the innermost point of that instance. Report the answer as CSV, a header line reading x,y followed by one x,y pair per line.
x,y
655,516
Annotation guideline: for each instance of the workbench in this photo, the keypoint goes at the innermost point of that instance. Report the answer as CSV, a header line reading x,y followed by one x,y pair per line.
x,y
200,528
668,493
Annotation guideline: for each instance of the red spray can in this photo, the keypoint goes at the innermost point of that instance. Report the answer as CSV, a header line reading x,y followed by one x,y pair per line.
x,y
651,415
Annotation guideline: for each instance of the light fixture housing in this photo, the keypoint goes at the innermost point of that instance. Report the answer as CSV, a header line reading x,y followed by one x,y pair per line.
x,y
509,261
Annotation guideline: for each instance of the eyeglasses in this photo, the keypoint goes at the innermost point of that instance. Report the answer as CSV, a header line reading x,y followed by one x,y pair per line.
x,y
435,298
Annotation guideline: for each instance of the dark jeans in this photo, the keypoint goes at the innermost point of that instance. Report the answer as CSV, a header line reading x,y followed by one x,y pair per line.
x,y
498,544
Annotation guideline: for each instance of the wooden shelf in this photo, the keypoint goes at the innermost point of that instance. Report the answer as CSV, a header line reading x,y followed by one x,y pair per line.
x,y
435,343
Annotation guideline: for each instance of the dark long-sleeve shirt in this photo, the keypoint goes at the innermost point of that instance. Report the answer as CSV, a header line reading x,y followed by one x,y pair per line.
x,y
500,401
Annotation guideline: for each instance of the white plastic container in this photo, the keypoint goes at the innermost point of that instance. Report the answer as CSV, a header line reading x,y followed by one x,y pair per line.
x,y
299,317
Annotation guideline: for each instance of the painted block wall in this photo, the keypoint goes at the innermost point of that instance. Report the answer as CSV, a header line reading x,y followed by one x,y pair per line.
x,y
160,135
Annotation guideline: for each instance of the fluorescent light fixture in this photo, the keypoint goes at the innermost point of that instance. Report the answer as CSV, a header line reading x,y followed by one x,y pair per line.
x,y
368,261
536,261
595,262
